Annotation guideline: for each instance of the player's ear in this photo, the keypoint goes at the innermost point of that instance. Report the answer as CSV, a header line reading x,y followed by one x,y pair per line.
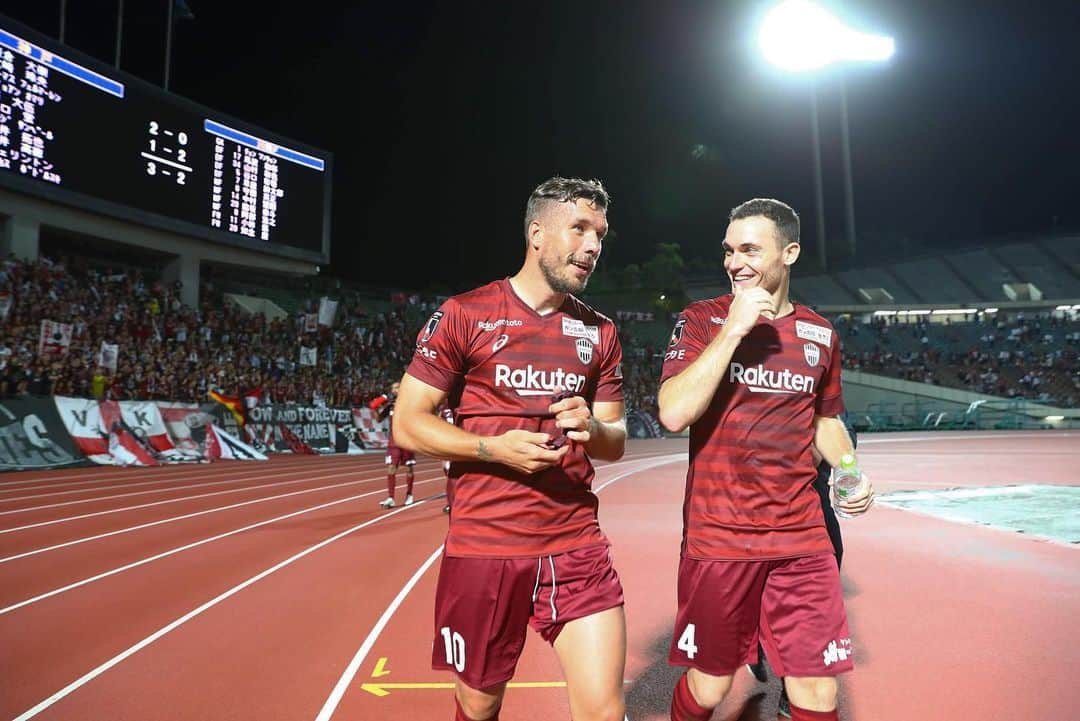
x,y
535,235
791,253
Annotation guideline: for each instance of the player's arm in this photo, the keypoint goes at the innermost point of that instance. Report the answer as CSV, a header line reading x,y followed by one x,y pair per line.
x,y
418,427
684,397
602,430
832,442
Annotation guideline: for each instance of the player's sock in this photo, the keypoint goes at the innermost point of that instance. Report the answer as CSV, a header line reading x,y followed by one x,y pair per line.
x,y
408,484
460,714
683,705
802,714
390,483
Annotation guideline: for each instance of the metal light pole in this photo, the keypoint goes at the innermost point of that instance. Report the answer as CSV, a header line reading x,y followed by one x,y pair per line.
x,y
799,36
849,190
819,192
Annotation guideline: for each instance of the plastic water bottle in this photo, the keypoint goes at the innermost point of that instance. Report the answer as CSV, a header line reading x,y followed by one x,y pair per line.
x,y
847,482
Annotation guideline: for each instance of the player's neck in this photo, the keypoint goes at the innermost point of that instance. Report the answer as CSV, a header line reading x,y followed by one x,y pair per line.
x,y
533,290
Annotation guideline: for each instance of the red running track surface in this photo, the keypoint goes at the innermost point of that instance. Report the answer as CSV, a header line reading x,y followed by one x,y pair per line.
x,y
281,590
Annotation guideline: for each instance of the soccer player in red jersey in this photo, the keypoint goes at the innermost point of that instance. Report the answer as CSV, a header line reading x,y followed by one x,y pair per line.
x,y
534,378
756,377
395,455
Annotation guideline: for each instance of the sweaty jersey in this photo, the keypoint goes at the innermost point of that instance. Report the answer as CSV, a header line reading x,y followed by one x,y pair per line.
x,y
749,485
502,364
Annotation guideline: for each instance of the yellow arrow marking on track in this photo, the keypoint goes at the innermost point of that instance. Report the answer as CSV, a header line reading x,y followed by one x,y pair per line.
x,y
383,689
380,668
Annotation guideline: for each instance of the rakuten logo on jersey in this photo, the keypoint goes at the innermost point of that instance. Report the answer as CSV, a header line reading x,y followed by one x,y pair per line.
x,y
529,381
759,380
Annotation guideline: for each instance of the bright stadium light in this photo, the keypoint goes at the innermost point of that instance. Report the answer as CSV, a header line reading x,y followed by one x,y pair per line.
x,y
799,36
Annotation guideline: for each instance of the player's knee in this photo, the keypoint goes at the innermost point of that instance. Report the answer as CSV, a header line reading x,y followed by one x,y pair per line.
x,y
477,705
707,690
600,707
813,694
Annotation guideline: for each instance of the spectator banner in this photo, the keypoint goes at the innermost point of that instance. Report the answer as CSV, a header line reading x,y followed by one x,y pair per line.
x,y
108,355
313,425
33,436
91,424
180,419
369,429
327,311
220,444
311,323
55,337
308,356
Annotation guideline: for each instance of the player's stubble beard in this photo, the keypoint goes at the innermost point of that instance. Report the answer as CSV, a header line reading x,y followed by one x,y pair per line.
x,y
557,274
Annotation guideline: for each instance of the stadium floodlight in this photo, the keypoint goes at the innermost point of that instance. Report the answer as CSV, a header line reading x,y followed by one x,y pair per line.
x,y
800,36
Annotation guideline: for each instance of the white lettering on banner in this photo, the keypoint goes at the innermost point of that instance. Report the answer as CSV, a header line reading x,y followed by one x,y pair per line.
x,y
817,333
837,651
489,325
577,329
529,381
759,380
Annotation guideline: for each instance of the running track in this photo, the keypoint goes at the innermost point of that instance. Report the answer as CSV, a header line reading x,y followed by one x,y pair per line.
x,y
281,591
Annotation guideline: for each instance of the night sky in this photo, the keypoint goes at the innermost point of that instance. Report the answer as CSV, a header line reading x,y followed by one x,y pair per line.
x,y
442,117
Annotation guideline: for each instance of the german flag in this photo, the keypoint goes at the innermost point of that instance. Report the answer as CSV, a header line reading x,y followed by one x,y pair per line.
x,y
234,404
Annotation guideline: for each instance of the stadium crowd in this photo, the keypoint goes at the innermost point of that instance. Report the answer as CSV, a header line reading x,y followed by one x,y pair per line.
x,y
1017,356
167,351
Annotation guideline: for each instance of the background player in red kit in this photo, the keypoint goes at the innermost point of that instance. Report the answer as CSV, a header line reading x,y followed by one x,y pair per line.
x,y
396,456
757,379
534,377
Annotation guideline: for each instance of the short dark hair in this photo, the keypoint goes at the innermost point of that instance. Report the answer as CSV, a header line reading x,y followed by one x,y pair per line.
x,y
781,214
564,190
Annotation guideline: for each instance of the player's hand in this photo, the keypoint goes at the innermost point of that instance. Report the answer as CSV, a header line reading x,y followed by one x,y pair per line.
x,y
746,308
524,451
861,502
574,416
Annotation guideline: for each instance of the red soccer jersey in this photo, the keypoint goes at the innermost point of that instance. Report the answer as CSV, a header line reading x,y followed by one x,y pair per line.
x,y
749,492
502,364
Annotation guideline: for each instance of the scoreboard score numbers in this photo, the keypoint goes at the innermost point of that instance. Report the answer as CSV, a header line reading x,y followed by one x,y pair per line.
x,y
77,132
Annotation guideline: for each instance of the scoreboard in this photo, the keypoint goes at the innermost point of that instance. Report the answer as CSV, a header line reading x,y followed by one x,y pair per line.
x,y
75,131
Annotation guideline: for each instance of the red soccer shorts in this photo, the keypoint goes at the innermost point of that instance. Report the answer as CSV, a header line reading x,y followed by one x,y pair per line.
x,y
793,606
399,457
483,606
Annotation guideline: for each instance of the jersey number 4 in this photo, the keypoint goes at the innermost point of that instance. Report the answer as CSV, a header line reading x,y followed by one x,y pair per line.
x,y
455,648
686,641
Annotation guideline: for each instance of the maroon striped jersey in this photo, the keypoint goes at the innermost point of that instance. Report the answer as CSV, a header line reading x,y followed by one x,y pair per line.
x,y
502,364
749,485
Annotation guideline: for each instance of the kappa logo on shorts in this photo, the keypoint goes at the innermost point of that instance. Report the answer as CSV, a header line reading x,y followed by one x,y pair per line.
x,y
838,651
432,324
584,350
812,354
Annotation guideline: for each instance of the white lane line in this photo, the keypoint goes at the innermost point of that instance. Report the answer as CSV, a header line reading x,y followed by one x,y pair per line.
x,y
158,503
91,675
164,472
174,487
353,667
949,437
189,515
189,546
168,490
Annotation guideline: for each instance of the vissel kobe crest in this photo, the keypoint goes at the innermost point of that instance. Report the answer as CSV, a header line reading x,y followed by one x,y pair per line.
x,y
812,354
584,350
